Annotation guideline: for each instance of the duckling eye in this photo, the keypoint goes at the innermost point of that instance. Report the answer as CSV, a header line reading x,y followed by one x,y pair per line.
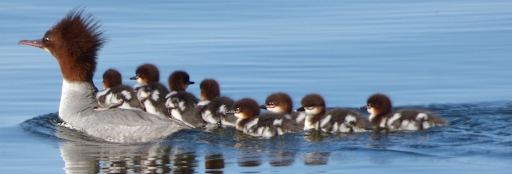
x,y
310,107
271,103
237,110
46,39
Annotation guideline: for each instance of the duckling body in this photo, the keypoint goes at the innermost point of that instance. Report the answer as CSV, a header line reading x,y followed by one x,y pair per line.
x,y
150,93
181,104
214,108
335,120
265,125
115,94
379,106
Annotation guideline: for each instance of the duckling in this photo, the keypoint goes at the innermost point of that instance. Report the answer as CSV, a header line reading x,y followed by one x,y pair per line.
x,y
266,125
379,106
180,104
115,94
214,108
335,120
282,103
150,93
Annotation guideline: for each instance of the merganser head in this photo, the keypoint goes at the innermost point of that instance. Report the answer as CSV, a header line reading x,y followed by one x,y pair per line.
x,y
378,104
179,81
146,73
111,78
246,108
210,89
313,104
74,42
278,103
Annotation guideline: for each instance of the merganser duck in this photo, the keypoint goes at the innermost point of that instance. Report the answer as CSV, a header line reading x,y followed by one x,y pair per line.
x,y
335,120
379,106
214,108
74,42
266,125
150,93
181,104
282,103
115,94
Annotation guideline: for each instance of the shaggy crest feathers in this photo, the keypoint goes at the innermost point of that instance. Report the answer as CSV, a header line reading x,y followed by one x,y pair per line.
x,y
74,42
209,89
112,78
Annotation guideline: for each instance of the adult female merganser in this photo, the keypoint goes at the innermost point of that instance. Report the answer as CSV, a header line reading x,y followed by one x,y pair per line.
x,y
115,94
266,125
379,106
335,120
214,107
282,103
74,42
181,104
150,92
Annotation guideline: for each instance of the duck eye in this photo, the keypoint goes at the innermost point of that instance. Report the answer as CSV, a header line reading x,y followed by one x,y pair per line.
x,y
271,103
46,39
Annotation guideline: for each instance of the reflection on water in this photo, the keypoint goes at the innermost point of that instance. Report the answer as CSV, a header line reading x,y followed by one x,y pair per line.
x,y
214,163
317,158
246,158
83,157
280,159
184,162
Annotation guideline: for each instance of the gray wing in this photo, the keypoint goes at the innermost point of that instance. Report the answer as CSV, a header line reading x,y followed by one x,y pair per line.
x,y
128,126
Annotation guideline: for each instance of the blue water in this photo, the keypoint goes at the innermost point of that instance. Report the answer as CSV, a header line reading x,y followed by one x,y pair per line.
x,y
450,57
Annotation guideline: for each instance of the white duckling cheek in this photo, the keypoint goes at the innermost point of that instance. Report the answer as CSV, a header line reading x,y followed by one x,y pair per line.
x,y
371,111
275,109
239,115
314,111
139,80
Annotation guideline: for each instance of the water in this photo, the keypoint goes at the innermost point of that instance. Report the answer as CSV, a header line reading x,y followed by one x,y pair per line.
x,y
450,57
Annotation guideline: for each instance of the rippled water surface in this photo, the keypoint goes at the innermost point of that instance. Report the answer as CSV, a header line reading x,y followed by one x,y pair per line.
x,y
450,57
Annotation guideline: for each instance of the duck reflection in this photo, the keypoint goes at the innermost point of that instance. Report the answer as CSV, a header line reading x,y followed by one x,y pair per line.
x,y
113,158
316,158
281,159
213,163
246,158
184,161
